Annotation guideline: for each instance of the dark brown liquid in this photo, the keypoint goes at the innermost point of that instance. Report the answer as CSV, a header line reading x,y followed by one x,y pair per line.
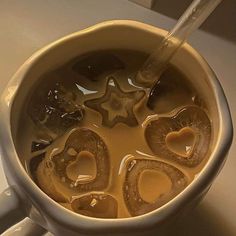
x,y
89,138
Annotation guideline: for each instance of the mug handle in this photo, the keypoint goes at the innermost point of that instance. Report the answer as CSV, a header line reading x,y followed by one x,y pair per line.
x,y
26,227
11,212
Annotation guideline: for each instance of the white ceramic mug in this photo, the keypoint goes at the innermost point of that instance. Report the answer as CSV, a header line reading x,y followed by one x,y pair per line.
x,y
24,198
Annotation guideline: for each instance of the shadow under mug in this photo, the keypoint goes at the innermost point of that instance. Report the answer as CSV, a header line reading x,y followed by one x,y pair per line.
x,y
25,199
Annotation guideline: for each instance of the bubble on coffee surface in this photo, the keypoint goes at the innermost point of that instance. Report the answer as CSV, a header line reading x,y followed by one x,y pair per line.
x,y
95,204
116,105
183,137
138,173
53,107
83,165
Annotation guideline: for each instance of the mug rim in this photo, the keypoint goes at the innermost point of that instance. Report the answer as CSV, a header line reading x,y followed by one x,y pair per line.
x,y
77,221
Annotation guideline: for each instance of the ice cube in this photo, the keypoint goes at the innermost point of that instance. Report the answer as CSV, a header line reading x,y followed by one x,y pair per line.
x,y
84,163
54,107
34,163
166,136
135,200
40,144
44,180
116,105
93,65
94,204
171,91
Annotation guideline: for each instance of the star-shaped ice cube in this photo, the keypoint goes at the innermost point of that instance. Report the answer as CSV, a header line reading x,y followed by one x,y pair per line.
x,y
116,105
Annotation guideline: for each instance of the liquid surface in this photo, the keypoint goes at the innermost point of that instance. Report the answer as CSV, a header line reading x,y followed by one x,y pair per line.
x,y
93,141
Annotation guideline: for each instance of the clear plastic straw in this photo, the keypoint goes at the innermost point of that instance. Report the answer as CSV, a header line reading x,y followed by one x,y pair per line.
x,y
192,18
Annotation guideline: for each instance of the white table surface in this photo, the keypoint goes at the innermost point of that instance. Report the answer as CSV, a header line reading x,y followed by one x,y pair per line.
x,y
27,25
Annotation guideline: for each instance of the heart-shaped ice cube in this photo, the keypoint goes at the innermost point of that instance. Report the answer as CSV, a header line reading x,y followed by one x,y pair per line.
x,y
82,166
95,204
183,137
135,179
